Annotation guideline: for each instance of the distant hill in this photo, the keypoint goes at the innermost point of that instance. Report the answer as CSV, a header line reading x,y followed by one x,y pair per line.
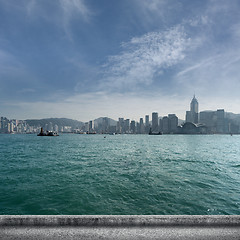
x,y
55,121
233,116
100,121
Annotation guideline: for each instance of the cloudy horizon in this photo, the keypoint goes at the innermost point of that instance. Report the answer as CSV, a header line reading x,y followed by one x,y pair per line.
x,y
88,59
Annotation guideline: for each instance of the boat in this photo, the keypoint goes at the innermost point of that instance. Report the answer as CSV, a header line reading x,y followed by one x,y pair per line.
x,y
154,133
47,133
157,133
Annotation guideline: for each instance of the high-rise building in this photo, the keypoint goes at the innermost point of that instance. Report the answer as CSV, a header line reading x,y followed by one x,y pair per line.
x,y
147,124
160,126
173,123
147,120
120,125
194,105
12,127
155,122
133,126
126,126
91,126
189,116
215,121
141,126
165,124
192,115
105,124
209,118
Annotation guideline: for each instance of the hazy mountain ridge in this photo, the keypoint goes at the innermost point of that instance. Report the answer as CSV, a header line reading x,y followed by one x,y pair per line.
x,y
65,122
55,121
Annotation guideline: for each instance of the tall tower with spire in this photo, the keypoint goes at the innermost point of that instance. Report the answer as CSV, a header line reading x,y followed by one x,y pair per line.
x,y
194,105
192,115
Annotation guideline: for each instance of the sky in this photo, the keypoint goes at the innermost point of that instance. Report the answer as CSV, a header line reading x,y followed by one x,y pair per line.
x,y
84,59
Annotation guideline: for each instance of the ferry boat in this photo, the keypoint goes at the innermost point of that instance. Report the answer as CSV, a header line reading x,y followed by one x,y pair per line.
x,y
47,133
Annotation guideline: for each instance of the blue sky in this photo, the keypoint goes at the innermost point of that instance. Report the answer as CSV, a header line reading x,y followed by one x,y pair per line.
x,y
85,59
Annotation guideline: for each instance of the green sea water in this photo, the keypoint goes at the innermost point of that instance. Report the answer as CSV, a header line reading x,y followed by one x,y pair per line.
x,y
120,174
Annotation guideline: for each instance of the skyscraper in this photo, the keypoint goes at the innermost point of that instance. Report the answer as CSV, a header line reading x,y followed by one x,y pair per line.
x,y
192,115
165,124
141,126
91,126
194,105
147,120
120,125
147,124
173,123
133,126
155,122
126,126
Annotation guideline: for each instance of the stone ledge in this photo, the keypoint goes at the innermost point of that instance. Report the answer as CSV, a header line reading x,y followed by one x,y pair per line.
x,y
120,220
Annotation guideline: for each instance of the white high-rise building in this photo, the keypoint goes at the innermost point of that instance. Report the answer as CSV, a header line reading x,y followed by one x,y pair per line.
x,y
192,115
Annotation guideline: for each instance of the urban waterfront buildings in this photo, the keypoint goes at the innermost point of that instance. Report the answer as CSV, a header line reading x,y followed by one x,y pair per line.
x,y
203,122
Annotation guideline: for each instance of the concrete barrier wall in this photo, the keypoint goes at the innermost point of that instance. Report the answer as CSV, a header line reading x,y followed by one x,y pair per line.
x,y
119,227
119,220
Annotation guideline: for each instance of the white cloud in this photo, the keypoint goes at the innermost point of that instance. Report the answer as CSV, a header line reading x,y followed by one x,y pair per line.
x,y
196,66
64,11
31,6
217,75
151,12
199,20
72,7
144,57
69,7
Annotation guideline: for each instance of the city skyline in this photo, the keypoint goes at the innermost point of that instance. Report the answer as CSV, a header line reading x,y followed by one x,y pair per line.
x,y
84,59
193,107
204,122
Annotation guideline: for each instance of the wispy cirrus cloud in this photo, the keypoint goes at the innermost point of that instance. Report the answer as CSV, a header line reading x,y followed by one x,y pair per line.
x,y
72,7
215,75
69,8
143,58
156,12
58,12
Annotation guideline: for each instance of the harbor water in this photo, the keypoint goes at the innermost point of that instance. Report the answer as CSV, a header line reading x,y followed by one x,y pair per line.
x,y
120,174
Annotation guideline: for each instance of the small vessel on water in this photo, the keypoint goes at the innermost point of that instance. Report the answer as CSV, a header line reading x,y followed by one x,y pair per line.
x,y
154,133
47,133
